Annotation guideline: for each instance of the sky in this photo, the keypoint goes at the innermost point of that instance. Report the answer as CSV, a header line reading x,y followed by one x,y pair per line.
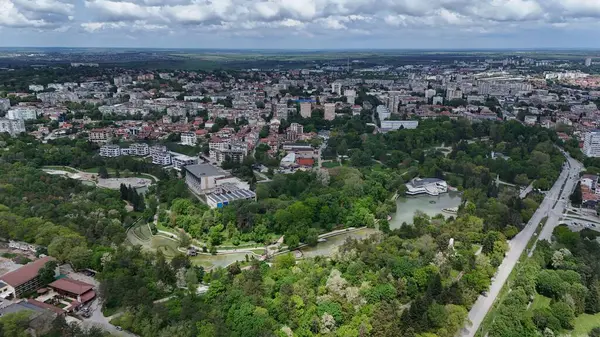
x,y
301,24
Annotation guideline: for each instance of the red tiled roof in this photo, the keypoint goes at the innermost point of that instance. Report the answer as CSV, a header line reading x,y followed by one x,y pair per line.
x,y
305,161
88,296
71,286
26,273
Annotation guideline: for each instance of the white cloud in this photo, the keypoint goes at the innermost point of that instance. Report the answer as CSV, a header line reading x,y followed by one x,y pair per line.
x,y
320,18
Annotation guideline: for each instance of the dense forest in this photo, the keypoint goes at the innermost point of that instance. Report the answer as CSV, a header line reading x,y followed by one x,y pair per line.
x,y
560,282
410,282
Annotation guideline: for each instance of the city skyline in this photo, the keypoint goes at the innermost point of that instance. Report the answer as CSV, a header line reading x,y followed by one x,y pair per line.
x,y
311,24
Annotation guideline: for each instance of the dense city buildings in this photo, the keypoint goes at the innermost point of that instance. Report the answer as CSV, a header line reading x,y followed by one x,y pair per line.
x,y
591,143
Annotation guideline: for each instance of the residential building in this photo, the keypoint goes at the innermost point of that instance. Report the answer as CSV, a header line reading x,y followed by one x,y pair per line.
x,y
329,111
236,152
383,112
305,109
393,102
395,125
139,149
99,135
201,178
438,100
429,93
591,144
336,87
350,96
588,62
530,120
294,131
180,161
22,112
280,110
4,104
110,150
12,126
122,80
154,149
24,280
298,128
161,158
189,138
36,87
452,93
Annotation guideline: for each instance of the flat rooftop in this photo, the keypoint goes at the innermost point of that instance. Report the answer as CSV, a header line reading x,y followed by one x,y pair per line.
x,y
425,181
205,170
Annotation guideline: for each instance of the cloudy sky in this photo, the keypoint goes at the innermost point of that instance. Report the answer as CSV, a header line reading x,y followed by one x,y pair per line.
x,y
301,24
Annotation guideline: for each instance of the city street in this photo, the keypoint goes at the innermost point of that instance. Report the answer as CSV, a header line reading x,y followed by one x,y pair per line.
x,y
552,207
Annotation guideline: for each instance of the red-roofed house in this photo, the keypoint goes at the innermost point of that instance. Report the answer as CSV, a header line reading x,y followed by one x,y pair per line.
x,y
78,291
23,280
307,162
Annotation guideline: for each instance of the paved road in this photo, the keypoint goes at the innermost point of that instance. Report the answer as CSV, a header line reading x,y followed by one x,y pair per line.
x,y
552,206
98,319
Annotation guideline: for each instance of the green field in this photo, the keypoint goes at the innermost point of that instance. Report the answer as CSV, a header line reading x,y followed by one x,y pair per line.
x,y
539,302
583,324
167,246
331,164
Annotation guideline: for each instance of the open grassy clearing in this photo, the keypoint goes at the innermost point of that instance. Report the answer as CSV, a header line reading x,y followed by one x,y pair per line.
x,y
583,324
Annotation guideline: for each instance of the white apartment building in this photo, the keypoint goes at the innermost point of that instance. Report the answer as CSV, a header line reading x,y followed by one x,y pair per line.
x,y
591,144
219,152
161,158
395,125
336,87
157,149
12,126
429,93
22,112
383,112
4,104
110,151
297,128
329,111
453,94
139,149
350,96
280,110
393,101
99,136
305,109
36,87
189,138
180,161
122,80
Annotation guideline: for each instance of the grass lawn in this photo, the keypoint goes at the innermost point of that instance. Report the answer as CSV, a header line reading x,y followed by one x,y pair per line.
x,y
165,228
539,302
166,246
584,323
258,251
330,164
143,232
